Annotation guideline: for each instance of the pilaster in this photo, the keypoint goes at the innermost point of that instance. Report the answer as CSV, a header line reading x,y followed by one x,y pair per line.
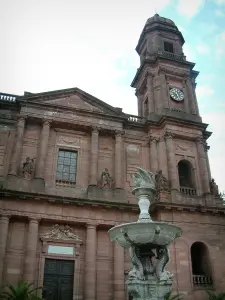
x,y
150,93
140,107
118,272
119,159
90,262
43,150
191,97
172,168
31,251
162,156
94,156
4,226
145,157
164,96
153,154
203,165
18,146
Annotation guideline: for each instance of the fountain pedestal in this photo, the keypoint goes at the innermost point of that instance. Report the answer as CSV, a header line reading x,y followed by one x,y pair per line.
x,y
148,243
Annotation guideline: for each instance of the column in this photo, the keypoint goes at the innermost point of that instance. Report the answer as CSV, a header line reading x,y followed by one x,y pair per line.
x,y
164,93
31,251
43,150
162,156
94,156
191,97
139,98
186,98
90,262
119,161
145,156
172,168
203,165
18,146
4,225
118,272
207,161
153,155
150,93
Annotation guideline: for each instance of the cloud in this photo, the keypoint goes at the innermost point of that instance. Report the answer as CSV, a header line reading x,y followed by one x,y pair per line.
x,y
220,42
203,49
217,146
220,2
204,91
189,8
219,13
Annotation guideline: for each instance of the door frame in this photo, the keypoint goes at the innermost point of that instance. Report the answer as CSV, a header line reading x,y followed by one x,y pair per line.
x,y
77,293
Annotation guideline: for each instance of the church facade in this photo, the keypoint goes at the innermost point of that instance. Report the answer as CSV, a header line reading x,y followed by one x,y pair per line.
x,y
66,165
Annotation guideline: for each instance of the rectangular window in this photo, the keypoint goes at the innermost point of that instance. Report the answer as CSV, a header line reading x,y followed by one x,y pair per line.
x,y
66,167
168,47
53,249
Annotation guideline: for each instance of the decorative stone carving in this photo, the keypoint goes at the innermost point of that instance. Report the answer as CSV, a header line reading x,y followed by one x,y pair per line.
x,y
162,183
169,135
63,232
106,181
214,188
69,141
144,178
28,168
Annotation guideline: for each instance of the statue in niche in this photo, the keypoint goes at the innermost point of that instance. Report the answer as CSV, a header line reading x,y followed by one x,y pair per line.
x,y
28,168
162,183
106,180
214,188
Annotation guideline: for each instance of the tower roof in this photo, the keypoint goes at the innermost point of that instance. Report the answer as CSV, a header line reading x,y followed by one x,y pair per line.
x,y
160,24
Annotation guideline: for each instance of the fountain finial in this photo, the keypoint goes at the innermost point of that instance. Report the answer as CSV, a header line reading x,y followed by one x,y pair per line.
x,y
144,178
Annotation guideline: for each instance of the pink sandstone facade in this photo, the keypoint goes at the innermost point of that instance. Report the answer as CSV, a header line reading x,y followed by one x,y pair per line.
x,y
70,138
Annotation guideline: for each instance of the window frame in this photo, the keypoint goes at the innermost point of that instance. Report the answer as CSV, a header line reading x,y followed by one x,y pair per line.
x,y
61,181
169,44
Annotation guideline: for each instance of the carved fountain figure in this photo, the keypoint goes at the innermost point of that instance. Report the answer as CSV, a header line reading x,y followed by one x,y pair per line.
x,y
148,243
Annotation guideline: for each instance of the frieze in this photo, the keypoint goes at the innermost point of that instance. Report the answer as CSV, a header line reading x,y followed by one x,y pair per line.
x,y
182,146
173,71
63,232
66,140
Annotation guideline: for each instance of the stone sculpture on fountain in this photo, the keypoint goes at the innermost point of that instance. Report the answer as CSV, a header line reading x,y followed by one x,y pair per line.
x,y
148,243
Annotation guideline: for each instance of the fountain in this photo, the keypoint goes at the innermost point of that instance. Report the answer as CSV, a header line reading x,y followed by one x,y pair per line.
x,y
148,243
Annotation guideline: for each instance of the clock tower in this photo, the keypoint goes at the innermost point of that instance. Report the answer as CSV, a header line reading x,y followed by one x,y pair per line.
x,y
165,81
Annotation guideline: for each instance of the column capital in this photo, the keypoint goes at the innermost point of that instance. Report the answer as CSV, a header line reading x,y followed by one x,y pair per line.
x,y
34,219
168,135
96,129
91,225
5,216
200,140
119,133
46,122
153,139
146,143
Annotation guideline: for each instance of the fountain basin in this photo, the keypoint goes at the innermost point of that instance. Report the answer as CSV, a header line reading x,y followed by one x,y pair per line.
x,y
148,232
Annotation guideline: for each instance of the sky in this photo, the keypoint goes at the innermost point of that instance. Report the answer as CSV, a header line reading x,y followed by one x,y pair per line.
x,y
90,44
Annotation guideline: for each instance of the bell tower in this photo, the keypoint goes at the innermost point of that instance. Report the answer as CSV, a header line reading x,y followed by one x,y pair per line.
x,y
165,81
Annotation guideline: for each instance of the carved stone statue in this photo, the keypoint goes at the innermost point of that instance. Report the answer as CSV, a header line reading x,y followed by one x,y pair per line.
x,y
106,180
162,183
214,188
61,233
28,168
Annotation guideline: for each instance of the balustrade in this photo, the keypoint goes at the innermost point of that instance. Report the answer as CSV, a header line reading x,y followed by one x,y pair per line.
x,y
7,97
188,191
201,280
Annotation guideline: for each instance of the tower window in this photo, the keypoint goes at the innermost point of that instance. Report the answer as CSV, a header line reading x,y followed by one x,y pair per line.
x,y
66,167
168,47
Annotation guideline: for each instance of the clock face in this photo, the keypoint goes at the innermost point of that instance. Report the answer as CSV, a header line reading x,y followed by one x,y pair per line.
x,y
176,94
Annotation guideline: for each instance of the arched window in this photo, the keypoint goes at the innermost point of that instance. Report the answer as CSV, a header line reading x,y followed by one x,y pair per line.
x,y
186,177
201,268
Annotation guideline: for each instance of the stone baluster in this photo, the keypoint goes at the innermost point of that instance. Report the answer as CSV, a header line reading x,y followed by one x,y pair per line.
x,y
90,262
119,293
119,160
31,251
203,165
153,155
94,156
18,147
172,168
150,93
140,107
43,150
162,156
4,226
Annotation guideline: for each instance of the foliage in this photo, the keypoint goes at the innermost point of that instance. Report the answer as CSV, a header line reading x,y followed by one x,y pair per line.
x,y
169,296
21,291
215,296
222,197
